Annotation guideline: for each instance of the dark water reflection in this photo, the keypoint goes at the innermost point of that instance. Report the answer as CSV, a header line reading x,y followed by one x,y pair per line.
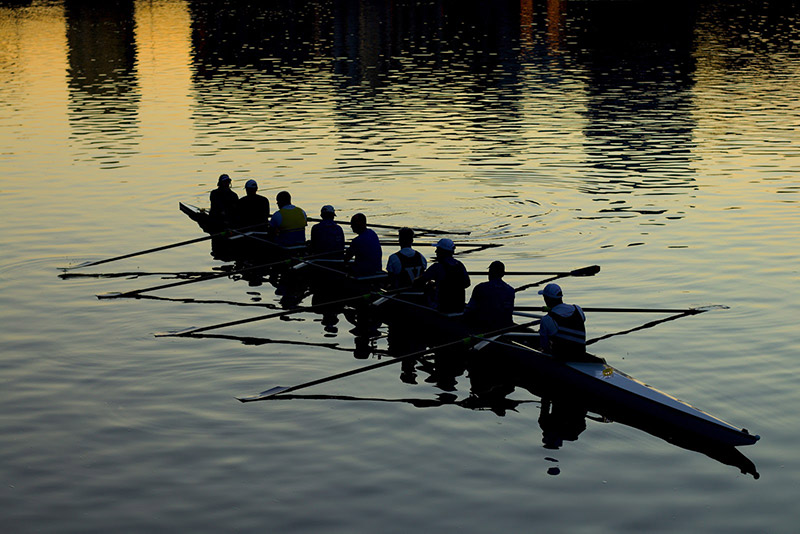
x,y
470,81
104,93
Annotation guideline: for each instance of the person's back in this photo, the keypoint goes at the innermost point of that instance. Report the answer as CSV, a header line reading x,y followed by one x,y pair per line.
x,y
223,202
289,222
365,249
492,303
562,331
327,237
253,209
449,277
405,265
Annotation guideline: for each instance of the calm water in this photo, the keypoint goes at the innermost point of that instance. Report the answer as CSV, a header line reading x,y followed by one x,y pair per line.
x,y
659,143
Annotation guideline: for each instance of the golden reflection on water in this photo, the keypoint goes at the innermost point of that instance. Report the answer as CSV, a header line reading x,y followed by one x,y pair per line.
x,y
33,82
163,44
554,160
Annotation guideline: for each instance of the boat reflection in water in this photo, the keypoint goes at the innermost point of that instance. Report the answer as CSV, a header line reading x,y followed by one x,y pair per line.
x,y
565,408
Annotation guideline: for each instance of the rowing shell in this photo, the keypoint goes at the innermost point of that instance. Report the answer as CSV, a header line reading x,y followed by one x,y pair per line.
x,y
611,392
603,388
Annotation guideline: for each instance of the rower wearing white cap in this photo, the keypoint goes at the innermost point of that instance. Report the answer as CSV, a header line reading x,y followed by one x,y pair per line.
x,y
253,208
327,237
449,279
562,331
223,202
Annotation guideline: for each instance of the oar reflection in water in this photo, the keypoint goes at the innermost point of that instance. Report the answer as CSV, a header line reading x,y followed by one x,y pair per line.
x,y
471,402
136,274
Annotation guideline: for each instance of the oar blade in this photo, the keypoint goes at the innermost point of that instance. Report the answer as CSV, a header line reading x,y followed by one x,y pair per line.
x,y
586,271
79,266
110,295
264,394
701,309
176,333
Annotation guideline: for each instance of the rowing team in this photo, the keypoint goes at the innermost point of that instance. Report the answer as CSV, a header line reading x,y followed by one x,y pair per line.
x,y
562,331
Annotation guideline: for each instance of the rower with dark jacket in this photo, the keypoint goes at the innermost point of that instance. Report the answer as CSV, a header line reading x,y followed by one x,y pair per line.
x,y
253,209
223,203
491,305
405,265
327,237
562,331
289,222
364,250
449,279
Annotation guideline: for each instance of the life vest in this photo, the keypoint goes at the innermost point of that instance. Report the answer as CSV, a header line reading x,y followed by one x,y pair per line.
x,y
292,219
570,338
292,229
411,268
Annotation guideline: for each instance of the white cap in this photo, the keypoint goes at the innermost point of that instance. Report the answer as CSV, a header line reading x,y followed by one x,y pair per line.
x,y
446,244
251,184
552,291
327,208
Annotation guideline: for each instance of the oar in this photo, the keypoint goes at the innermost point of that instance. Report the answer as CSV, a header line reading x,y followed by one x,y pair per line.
x,y
584,271
417,403
142,252
212,276
683,313
300,309
389,227
156,249
189,300
133,274
256,341
687,311
458,245
416,354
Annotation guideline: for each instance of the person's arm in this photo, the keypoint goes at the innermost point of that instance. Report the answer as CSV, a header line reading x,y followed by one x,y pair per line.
x,y
351,250
466,280
276,219
474,299
546,330
393,265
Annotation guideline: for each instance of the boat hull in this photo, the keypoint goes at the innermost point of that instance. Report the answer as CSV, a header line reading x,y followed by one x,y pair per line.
x,y
612,393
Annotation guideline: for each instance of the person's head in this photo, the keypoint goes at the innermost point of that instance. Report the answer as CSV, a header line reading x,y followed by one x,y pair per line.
x,y
552,295
358,222
497,270
327,212
445,248
251,187
283,199
406,237
224,181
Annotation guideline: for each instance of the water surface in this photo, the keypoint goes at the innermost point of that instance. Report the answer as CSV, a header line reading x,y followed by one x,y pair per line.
x,y
657,142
